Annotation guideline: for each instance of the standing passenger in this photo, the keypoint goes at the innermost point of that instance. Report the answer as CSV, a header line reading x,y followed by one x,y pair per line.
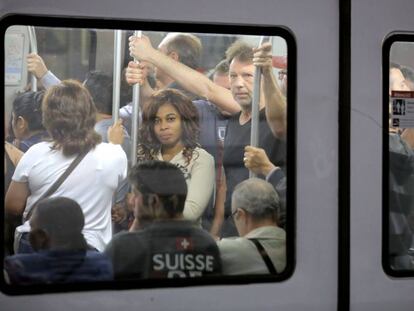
x,y
27,120
169,133
69,117
243,60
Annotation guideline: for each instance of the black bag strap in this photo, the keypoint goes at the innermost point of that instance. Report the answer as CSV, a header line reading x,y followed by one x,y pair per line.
x,y
57,183
265,256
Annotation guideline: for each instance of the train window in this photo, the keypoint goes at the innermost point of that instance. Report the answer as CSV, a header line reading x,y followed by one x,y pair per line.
x,y
398,183
161,154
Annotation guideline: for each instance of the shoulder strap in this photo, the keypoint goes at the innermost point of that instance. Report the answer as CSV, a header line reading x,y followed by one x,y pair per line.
x,y
265,256
57,183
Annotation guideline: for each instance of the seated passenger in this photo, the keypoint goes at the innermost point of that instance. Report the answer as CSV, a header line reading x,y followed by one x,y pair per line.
x,y
261,247
61,251
257,161
169,132
26,120
69,116
166,246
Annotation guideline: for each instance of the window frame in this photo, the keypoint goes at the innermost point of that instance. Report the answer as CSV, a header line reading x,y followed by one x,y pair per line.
x,y
172,26
386,54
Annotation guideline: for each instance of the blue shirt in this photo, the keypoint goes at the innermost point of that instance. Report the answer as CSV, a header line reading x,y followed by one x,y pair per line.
x,y
58,266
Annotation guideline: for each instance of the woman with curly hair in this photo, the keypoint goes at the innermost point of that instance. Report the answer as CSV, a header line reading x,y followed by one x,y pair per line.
x,y
169,132
69,114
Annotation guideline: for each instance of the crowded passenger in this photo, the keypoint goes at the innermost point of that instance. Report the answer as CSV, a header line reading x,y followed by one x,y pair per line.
x,y
401,195
181,47
220,74
257,161
170,132
166,245
242,59
69,116
26,121
61,253
100,88
261,247
25,130
12,156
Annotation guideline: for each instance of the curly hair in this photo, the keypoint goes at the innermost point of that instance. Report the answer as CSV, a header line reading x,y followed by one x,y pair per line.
x,y
69,116
149,145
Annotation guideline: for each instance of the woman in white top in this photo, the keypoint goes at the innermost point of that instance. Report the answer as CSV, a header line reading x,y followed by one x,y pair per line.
x,y
68,114
169,132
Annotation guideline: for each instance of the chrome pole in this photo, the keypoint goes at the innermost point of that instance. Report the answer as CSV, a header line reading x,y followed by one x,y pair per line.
x,y
135,114
254,133
33,49
116,75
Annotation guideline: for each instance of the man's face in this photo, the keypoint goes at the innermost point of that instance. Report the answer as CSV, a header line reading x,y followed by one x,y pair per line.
x,y
222,79
241,83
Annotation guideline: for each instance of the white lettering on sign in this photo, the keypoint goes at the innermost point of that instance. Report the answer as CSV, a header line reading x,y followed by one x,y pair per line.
x,y
183,262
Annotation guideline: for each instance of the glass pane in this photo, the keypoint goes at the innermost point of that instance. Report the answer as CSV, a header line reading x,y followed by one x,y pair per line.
x,y
401,157
185,142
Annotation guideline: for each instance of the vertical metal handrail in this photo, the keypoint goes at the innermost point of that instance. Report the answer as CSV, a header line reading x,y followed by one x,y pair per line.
x,y
135,113
33,49
254,132
116,87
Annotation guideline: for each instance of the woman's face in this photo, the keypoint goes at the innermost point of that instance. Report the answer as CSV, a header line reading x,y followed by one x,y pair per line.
x,y
167,125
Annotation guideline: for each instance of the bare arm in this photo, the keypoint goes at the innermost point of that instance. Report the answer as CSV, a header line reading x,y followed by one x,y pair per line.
x,y
188,78
274,100
408,136
14,153
16,196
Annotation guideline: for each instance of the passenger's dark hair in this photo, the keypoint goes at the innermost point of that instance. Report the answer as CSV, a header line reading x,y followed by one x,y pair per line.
x,y
28,105
69,115
187,46
150,146
164,180
62,220
240,51
99,86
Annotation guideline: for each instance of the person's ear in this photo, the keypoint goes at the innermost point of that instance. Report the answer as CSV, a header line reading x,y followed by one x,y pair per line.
x,y
241,214
21,123
39,239
174,55
153,200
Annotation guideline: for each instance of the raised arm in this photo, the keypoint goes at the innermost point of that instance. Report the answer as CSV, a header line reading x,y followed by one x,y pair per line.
x,y
36,66
274,100
188,78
